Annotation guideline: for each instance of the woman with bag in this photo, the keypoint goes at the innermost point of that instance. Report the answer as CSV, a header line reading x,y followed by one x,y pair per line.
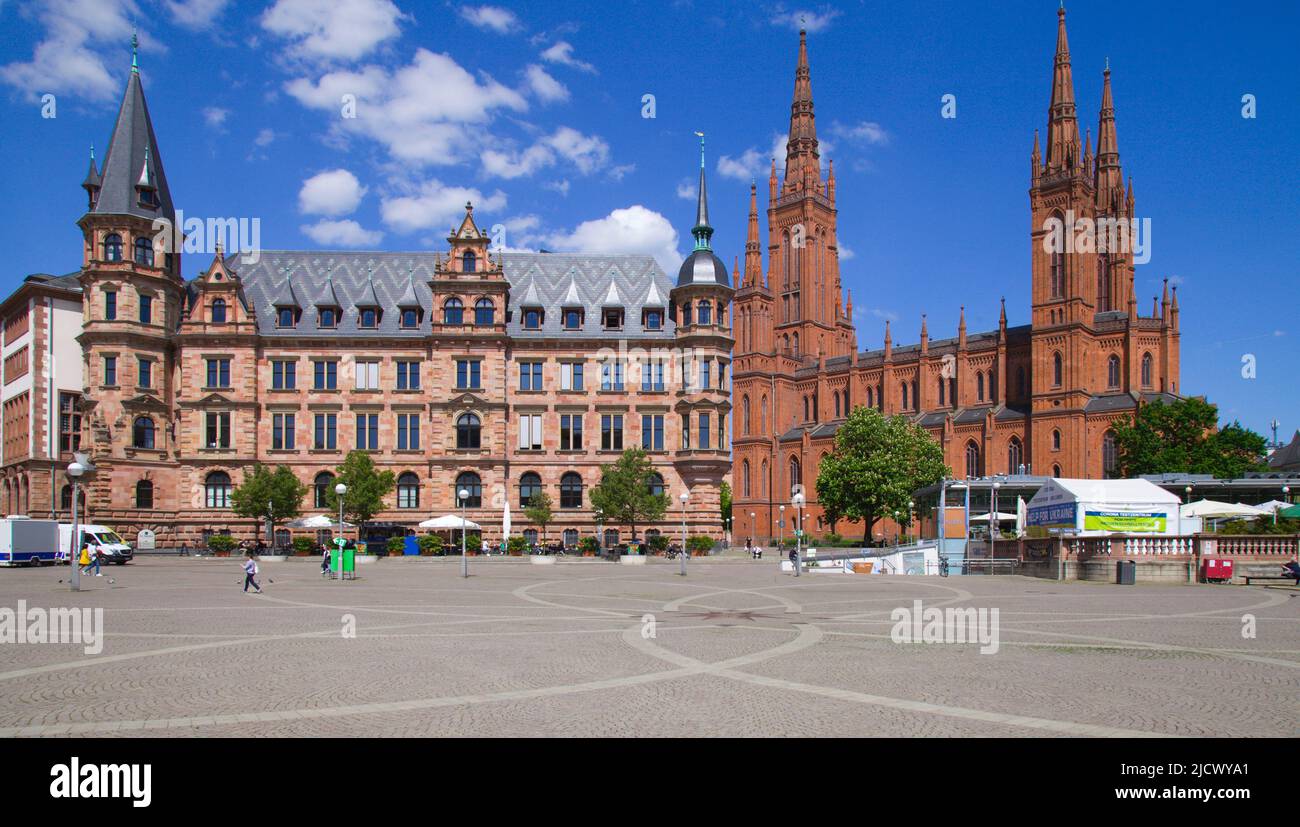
x,y
250,571
89,560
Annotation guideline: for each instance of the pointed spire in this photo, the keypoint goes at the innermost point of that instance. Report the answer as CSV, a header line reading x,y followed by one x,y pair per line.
x,y
1132,298
1062,125
1035,160
133,160
1173,310
92,182
753,251
145,181
961,329
1110,176
848,306
1164,302
889,341
702,231
802,159
830,182
1128,200
1002,315
1087,151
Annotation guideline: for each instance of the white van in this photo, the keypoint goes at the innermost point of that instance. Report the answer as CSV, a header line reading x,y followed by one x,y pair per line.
x,y
110,547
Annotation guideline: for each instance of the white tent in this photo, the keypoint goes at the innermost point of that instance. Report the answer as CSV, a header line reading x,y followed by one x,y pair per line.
x,y
1212,509
1104,507
1273,505
320,521
982,519
450,522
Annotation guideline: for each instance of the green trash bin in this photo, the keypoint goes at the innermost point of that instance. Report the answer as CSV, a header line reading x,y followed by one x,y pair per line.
x,y
348,560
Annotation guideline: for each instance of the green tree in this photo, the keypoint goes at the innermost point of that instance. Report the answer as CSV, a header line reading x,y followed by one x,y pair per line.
x,y
367,488
1184,437
263,491
539,511
876,466
724,498
623,493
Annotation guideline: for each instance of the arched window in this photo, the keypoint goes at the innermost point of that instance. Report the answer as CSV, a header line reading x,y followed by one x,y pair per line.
x,y
1109,455
65,498
796,344
530,484
704,313
485,312
216,490
979,386
470,483
952,391
453,311
1146,370
468,431
796,475
973,465
1056,471
144,494
1112,372
571,490
744,413
904,391
1058,370
993,387
805,409
655,484
871,398
410,318
142,434
744,478
1015,455
468,262
763,479
1058,270
112,247
408,491
1056,440
570,537
1103,284
916,395
144,252
322,487
837,405
943,388
762,416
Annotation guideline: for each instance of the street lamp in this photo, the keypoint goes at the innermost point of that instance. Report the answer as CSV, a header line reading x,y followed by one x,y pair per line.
x,y
600,530
910,505
798,537
75,470
340,490
1286,489
684,497
780,529
753,528
1188,492
994,523
463,495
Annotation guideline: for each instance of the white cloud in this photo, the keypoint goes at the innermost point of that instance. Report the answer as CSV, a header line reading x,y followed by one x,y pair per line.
x,y
544,86
215,116
69,60
265,137
630,230
333,193
196,14
686,189
347,233
867,132
562,53
587,153
562,187
845,252
806,19
499,20
619,172
745,168
433,205
333,29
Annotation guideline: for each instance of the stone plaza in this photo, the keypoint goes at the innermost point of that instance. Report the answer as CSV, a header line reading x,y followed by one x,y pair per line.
x,y
590,648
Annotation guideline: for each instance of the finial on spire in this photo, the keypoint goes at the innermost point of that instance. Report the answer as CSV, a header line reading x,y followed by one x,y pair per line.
x,y
135,52
702,231
701,135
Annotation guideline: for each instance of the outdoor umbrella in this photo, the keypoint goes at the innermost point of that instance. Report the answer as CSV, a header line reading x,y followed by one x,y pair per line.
x,y
1212,509
450,522
1292,513
317,522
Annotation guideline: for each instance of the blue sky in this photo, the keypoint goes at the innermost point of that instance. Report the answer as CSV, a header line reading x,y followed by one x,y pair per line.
x,y
534,111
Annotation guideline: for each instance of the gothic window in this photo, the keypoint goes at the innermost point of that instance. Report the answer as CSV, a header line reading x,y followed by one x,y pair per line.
x,y
1058,370
530,484
408,491
218,311
904,391
942,391
217,490
1109,457
744,477
1056,471
979,386
112,247
1103,284
973,466
1146,370
837,406
468,432
144,494
805,409
993,387
470,483
142,434
1015,455
1058,274
796,476
796,344
762,477
321,488
1112,372
453,311
744,413
571,490
762,416
916,395
1056,440
871,396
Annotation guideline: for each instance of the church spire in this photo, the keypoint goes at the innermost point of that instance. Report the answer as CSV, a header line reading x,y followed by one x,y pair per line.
x,y
702,231
753,252
1110,176
1062,124
802,159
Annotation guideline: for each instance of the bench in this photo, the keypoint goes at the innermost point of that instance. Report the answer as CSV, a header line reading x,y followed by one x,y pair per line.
x,y
1250,573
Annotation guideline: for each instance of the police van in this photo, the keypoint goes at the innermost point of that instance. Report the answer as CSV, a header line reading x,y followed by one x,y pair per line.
x,y
28,542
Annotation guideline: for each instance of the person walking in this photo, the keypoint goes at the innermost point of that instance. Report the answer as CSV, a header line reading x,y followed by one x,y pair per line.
x,y
250,574
89,560
325,562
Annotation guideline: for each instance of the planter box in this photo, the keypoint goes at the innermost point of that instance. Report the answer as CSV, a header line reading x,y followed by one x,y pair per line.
x,y
542,560
632,560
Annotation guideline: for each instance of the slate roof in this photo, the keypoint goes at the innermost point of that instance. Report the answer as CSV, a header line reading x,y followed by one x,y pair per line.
x,y
1288,456
133,139
354,279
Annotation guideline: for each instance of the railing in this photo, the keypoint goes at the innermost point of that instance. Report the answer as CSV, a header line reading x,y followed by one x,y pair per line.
x,y
1202,545
1234,545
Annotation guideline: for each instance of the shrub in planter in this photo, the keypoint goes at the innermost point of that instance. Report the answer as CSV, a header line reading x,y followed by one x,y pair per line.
x,y
588,545
474,544
303,546
658,543
431,545
221,544
516,545
699,545
396,546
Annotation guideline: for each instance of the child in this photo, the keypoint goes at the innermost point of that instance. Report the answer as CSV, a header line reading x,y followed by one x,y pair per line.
x,y
250,571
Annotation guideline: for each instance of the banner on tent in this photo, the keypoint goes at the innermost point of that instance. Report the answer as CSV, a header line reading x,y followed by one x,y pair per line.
x,y
1059,515
1124,521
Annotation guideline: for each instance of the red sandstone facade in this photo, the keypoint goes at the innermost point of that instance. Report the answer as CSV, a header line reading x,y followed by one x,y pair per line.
x,y
1039,397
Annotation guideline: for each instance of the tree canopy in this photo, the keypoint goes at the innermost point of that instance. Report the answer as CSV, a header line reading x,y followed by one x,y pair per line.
x,y
623,494
539,511
280,489
1184,437
367,488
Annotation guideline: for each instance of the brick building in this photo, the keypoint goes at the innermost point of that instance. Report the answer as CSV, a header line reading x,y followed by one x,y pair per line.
x,y
502,374
1041,395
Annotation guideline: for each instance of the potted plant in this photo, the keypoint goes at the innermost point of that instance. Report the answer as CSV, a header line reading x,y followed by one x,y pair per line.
x,y
699,545
516,545
221,545
473,545
658,544
431,545
303,546
588,546
396,546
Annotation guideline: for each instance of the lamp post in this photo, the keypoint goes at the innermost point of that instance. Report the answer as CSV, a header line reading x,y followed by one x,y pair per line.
x,y
463,495
780,529
75,470
798,537
684,497
340,490
270,526
600,530
910,505
753,528
994,526
1286,489
1188,492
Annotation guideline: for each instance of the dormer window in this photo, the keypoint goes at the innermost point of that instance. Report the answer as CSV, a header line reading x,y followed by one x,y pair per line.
x,y
652,318
112,247
329,318
410,319
613,318
469,262
148,199
369,318
533,318
144,252
285,317
573,318
218,311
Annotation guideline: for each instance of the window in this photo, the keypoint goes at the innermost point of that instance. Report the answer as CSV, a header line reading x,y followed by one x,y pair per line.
x,y
469,262
744,414
325,375
571,376
530,484
367,432
323,487
533,318
326,436
285,317
110,305
453,311
1146,370
744,478
530,376
570,537
655,484
706,374
837,406
408,491
973,466
143,494
652,432
1058,274
611,432
468,432
112,247
144,373
979,386
1056,471
143,252
571,491
1015,455
572,318
218,311
282,432
408,432
146,309
570,432
142,432
530,432
653,318
704,432
284,375
410,319
468,375
408,376
612,318
369,318
485,312
216,430
686,432
69,422
1056,440
367,375
652,376
530,536
796,475
218,373
611,375
110,370
470,483
943,384
1058,370
217,490
1112,372
704,313
905,405
1109,455
328,318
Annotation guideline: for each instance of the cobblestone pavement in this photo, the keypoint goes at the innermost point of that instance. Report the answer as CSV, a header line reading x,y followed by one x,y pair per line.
x,y
736,648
